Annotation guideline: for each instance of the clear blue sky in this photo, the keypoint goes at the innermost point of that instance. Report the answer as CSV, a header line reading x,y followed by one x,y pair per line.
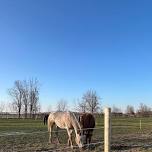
x,y
72,46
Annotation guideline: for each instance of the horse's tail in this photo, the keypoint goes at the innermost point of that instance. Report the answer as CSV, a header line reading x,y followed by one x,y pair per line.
x,y
49,128
50,122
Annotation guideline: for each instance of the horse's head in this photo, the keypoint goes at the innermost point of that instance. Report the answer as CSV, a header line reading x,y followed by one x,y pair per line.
x,y
80,139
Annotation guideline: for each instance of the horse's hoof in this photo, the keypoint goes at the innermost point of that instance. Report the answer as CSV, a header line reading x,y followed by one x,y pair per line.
x,y
71,147
50,142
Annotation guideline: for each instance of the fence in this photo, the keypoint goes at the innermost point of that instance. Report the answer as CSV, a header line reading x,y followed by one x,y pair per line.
x,y
38,141
13,115
127,134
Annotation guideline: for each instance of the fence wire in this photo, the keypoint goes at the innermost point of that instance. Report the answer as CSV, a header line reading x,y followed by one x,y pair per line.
x,y
38,141
131,134
128,134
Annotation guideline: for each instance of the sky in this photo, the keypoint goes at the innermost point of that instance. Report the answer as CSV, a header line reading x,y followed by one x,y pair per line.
x,y
73,46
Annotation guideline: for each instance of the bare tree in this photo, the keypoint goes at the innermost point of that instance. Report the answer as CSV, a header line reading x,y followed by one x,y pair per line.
x,y
11,107
25,94
80,106
62,105
144,110
16,93
2,106
91,100
100,110
116,109
25,97
38,107
49,108
130,110
33,96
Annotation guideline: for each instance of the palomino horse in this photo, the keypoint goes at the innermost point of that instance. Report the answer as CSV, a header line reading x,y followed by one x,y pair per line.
x,y
68,121
87,122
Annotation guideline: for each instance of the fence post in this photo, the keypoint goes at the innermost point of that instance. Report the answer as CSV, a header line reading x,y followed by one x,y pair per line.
x,y
107,129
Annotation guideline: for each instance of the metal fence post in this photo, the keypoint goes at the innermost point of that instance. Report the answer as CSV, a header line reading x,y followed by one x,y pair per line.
x,y
107,129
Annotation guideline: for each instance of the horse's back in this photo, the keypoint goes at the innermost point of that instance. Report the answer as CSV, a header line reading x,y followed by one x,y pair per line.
x,y
61,119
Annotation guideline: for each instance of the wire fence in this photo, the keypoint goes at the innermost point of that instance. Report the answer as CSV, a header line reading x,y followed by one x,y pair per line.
x,y
123,138
128,134
38,141
131,134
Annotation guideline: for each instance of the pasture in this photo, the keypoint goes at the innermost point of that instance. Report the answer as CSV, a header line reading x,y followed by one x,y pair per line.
x,y
31,135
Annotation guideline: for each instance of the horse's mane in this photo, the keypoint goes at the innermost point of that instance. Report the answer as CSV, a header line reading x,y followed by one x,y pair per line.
x,y
75,122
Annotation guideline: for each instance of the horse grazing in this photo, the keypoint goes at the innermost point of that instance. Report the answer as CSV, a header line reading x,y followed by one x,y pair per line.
x,y
87,122
45,119
68,121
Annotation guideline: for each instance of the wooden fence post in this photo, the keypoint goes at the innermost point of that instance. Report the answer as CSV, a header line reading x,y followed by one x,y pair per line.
x,y
107,129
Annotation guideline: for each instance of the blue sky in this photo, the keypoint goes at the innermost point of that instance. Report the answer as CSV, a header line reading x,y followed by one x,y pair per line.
x,y
72,46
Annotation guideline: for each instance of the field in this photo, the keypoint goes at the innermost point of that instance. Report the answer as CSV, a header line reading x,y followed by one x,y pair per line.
x,y
31,135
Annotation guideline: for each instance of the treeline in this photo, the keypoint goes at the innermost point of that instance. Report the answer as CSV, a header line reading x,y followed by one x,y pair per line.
x,y
24,97
142,111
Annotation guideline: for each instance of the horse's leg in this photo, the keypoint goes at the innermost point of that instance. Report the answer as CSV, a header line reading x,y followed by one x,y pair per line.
x,y
70,139
90,135
90,139
57,134
86,133
68,142
86,138
50,133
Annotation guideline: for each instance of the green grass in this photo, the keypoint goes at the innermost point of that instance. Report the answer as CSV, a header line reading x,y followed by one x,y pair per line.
x,y
31,135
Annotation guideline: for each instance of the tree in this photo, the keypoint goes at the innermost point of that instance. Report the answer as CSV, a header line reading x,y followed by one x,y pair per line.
x,y
25,97
116,109
49,108
144,110
81,106
25,94
2,106
130,110
62,105
91,100
16,92
33,97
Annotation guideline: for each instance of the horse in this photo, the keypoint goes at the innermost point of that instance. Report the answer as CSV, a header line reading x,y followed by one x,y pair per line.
x,y
68,121
45,119
87,122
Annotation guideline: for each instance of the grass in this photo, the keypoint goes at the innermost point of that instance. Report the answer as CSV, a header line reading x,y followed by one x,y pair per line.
x,y
31,135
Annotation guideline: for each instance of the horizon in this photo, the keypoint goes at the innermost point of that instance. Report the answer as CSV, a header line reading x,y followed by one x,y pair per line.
x,y
75,46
